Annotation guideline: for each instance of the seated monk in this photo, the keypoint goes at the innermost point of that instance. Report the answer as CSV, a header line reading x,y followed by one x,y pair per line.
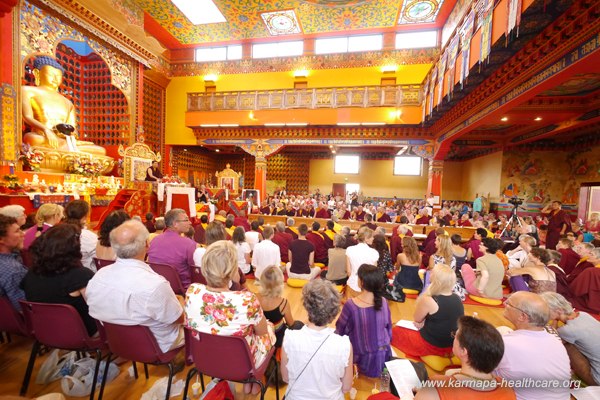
x,y
44,108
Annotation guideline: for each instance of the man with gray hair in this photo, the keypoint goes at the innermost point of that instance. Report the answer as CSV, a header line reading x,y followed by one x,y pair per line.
x,y
172,249
16,211
129,292
535,361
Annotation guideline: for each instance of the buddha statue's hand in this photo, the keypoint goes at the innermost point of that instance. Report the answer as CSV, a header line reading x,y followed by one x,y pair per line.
x,y
51,138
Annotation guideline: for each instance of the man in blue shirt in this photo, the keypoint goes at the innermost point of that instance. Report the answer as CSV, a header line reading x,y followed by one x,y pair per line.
x,y
477,204
12,270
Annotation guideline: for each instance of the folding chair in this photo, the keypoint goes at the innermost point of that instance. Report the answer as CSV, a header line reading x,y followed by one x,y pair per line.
x,y
171,275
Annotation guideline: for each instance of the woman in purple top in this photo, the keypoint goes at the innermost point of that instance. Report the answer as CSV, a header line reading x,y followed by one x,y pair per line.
x,y
366,319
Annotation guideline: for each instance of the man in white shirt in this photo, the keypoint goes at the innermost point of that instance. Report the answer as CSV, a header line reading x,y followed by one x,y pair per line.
x,y
266,253
129,292
535,362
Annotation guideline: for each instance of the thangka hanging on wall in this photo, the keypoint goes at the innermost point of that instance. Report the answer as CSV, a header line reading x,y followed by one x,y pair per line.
x,y
452,53
486,37
466,33
514,17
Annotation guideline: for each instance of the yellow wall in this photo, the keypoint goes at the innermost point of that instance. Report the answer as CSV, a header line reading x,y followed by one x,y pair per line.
x,y
452,180
178,134
375,179
482,175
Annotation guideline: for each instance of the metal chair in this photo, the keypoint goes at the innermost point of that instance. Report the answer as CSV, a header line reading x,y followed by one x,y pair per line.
x,y
101,263
138,344
59,326
171,275
227,357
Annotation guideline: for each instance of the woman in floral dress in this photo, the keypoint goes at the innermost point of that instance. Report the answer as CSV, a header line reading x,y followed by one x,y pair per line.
x,y
215,309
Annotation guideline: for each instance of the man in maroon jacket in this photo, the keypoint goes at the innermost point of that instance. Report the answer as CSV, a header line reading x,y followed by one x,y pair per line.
x,y
283,240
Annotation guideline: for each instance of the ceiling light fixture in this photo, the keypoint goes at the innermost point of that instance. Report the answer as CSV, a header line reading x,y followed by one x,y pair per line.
x,y
389,68
274,124
209,125
229,125
348,123
297,123
504,119
301,73
210,78
537,118
217,150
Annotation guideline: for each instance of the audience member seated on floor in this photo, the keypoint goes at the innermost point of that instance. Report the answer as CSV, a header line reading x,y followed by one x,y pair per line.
x,y
473,250
315,361
276,308
243,249
253,236
129,292
562,286
580,333
103,249
530,352
336,269
265,254
480,347
301,254
172,249
486,279
569,257
459,252
408,263
12,270
584,250
366,320
57,274
282,239
369,222
436,314
149,223
214,308
159,224
519,256
540,277
358,255
315,237
384,263
77,213
47,216
16,211
585,289
444,255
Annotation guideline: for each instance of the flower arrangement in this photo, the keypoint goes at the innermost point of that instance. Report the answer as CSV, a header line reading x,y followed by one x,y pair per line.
x,y
11,184
85,167
32,158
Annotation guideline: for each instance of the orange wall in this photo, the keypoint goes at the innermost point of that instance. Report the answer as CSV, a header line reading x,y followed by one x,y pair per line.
x,y
452,180
482,175
375,178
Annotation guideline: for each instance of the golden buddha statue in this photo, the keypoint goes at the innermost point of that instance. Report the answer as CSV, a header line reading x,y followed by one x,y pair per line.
x,y
49,114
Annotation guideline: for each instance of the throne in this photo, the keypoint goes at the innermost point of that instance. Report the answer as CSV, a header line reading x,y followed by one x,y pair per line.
x,y
228,179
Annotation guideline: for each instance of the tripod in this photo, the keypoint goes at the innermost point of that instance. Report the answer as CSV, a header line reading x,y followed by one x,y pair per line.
x,y
512,222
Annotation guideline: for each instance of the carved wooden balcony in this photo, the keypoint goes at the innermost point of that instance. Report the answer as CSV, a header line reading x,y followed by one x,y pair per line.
x,y
332,97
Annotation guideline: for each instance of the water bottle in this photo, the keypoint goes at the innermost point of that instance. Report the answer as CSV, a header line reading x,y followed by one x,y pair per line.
x,y
384,385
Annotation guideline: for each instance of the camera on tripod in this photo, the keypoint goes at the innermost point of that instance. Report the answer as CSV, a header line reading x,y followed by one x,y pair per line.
x,y
515,201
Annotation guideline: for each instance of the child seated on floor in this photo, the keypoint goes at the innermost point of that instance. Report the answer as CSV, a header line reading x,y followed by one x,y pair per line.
x,y
275,307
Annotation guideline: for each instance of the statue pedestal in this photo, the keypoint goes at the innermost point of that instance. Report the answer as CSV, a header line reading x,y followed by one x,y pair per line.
x,y
60,160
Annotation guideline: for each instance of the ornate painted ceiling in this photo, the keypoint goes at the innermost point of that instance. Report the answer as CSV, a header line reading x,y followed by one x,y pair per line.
x,y
262,19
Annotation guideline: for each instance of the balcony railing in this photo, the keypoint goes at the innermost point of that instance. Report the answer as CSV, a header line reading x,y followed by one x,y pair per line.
x,y
335,97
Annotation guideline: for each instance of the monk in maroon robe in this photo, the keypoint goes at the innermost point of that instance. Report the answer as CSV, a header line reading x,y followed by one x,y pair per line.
x,y
315,237
569,257
559,223
586,290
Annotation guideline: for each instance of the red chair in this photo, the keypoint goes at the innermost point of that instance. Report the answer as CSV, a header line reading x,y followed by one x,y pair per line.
x,y
138,344
27,258
101,263
171,275
11,321
59,326
226,357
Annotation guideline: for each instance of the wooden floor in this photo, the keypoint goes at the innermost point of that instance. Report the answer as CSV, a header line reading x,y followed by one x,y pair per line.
x,y
14,356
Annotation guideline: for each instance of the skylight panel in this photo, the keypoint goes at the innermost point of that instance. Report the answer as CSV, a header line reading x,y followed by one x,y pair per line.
x,y
200,12
416,40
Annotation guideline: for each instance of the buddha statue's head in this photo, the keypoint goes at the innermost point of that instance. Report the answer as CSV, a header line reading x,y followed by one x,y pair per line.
x,y
48,72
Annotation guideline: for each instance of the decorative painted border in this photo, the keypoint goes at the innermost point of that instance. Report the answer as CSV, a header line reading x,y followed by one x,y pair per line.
x,y
8,116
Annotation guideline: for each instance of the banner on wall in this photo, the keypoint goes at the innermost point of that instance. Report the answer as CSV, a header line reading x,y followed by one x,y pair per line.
x,y
452,53
466,33
441,72
486,37
514,17
432,81
425,96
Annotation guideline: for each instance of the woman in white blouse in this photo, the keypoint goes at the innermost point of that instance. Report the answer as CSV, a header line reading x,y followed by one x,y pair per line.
x,y
357,256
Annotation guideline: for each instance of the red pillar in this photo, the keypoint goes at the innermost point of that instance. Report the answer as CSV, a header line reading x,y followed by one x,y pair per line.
x,y
260,177
434,181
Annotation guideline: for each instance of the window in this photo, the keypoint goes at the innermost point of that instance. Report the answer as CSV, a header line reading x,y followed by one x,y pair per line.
x,y
331,45
348,44
279,49
416,40
346,164
365,43
233,52
408,166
